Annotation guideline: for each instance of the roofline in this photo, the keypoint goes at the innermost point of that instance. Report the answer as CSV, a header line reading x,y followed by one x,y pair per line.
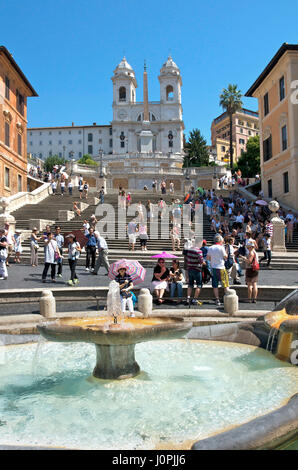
x,y
281,51
17,68
66,127
245,109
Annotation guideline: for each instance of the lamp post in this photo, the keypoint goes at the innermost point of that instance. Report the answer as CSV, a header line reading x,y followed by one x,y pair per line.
x,y
63,151
71,154
100,155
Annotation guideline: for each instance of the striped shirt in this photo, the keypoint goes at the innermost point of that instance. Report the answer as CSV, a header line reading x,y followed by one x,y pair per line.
x,y
194,258
269,229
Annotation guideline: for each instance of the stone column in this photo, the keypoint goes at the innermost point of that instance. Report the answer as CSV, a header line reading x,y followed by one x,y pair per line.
x,y
47,304
145,302
278,237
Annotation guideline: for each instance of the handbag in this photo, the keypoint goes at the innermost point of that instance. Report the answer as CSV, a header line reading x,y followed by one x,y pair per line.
x,y
255,265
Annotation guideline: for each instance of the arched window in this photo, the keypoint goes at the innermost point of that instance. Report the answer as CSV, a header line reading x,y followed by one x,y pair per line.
x,y
122,93
170,137
141,117
170,93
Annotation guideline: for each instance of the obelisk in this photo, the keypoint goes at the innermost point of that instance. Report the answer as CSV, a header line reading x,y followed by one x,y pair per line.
x,y
146,134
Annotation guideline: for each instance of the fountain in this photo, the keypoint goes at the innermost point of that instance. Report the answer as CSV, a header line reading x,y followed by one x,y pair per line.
x,y
114,336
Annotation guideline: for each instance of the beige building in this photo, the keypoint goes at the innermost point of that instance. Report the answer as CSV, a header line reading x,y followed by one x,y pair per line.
x,y
277,92
245,125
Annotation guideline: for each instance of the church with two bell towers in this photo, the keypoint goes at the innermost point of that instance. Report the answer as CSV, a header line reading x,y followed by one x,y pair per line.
x,y
165,116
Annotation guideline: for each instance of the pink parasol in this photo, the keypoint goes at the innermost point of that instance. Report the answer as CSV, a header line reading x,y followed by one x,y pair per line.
x,y
164,254
261,202
133,268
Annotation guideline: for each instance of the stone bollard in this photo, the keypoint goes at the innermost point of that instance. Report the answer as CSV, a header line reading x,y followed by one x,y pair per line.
x,y
145,302
231,302
47,304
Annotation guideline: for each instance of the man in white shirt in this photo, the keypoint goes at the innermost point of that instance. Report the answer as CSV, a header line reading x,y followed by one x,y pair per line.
x,y
217,256
102,254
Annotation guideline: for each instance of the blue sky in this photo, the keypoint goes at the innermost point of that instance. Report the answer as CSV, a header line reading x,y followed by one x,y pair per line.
x,y
68,50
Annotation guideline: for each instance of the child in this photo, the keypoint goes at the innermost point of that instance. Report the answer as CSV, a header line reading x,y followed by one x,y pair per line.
x,y
125,285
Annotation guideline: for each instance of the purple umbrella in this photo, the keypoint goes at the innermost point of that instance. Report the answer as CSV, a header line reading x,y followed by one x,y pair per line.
x,y
261,202
164,254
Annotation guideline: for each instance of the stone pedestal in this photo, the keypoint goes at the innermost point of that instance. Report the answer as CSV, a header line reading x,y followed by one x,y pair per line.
x,y
65,215
5,216
101,182
231,302
115,362
145,302
40,224
278,237
47,304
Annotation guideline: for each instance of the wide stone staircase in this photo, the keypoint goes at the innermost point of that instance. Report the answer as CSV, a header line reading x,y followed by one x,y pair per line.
x,y
118,246
112,230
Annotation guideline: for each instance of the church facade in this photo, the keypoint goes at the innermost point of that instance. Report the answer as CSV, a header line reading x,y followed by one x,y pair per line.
x,y
144,141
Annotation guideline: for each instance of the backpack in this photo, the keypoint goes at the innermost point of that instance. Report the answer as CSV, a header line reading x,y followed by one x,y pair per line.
x,y
230,261
206,275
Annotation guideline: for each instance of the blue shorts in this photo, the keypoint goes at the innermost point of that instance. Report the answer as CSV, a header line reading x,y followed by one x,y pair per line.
x,y
194,276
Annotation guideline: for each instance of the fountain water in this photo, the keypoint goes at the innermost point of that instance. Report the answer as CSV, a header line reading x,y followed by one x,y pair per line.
x,y
114,336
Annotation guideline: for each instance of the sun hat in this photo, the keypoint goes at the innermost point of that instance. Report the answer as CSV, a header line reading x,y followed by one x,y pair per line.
x,y
123,266
70,235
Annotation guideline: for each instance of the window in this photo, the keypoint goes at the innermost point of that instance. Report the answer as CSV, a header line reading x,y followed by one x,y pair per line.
x,y
122,93
80,132
7,178
59,142
281,88
80,154
241,141
40,142
20,186
99,131
60,154
59,132
286,182
170,93
100,141
69,132
31,143
7,88
90,137
111,142
7,134
269,188
20,103
223,148
284,138
50,133
70,142
111,131
40,155
249,132
40,133
267,148
50,142
19,144
50,153
90,149
241,123
248,124
241,130
80,141
266,104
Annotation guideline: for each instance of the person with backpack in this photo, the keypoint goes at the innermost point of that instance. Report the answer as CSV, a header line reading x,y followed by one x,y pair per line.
x,y
74,250
217,256
252,271
86,189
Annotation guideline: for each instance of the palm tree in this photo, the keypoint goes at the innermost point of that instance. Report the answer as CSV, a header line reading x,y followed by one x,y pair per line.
x,y
230,100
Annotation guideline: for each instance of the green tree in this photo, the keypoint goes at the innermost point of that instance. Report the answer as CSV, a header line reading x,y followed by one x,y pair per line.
x,y
230,100
50,162
249,161
196,150
87,160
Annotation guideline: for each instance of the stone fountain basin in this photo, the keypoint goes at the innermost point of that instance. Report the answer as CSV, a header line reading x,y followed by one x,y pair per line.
x,y
102,331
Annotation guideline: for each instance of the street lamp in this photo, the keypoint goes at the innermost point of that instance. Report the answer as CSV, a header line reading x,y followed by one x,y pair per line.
x,y
100,156
63,151
71,154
